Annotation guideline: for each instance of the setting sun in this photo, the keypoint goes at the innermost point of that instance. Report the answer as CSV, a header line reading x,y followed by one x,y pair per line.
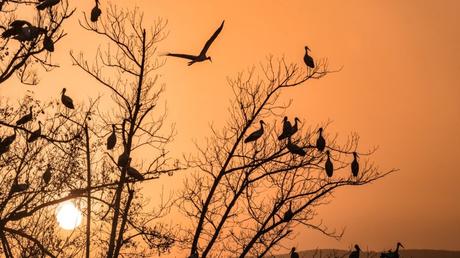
x,y
68,216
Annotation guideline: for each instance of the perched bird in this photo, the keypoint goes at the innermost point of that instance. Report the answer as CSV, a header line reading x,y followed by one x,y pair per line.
x,y
26,118
134,173
66,100
29,33
287,127
47,3
48,44
112,139
355,254
47,175
123,159
3,149
308,59
9,140
256,134
202,56
17,188
294,149
394,254
95,12
15,28
355,164
288,215
329,166
320,142
295,127
293,253
35,134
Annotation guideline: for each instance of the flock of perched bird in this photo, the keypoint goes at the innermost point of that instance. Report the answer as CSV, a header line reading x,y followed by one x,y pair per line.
x,y
357,251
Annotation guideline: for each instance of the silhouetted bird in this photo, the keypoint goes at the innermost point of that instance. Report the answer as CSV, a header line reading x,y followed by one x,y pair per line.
x,y
95,12
308,59
295,127
320,142
294,149
47,3
288,215
47,175
391,254
48,44
17,188
123,159
256,134
35,134
355,254
9,139
329,166
202,56
29,33
112,139
294,254
66,100
287,127
26,118
4,149
134,173
15,28
355,164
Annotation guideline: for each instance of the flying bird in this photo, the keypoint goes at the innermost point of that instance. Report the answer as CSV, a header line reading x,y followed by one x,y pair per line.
x,y
95,12
320,142
287,128
329,166
26,118
308,59
355,164
112,139
256,134
35,134
294,254
47,3
202,56
355,254
66,100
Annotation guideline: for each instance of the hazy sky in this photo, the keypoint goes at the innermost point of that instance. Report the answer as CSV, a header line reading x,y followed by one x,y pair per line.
x,y
399,89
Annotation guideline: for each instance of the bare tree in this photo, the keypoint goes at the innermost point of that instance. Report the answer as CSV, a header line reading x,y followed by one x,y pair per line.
x,y
245,198
127,68
29,41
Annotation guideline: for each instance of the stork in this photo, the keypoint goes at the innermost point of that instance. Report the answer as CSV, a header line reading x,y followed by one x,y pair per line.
x,y
256,134
308,59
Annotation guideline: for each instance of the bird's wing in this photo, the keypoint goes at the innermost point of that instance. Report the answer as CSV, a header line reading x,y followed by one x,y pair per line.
x,y
191,57
210,40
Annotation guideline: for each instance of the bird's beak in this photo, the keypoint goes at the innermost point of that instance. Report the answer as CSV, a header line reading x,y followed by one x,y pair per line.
x,y
210,59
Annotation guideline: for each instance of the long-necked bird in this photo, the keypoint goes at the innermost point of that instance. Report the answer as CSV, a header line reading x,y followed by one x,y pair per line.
x,y
287,127
95,12
47,175
26,118
394,254
288,215
202,56
295,127
293,253
329,166
294,149
66,100
320,142
47,3
355,164
256,134
355,253
308,59
134,173
112,139
35,134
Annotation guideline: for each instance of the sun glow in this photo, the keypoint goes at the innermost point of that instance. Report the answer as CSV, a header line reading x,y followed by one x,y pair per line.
x,y
68,216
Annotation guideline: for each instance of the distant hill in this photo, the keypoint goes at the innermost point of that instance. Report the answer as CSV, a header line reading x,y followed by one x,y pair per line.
x,y
408,253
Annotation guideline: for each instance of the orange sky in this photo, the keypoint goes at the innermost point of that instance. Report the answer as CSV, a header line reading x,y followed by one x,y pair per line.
x,y
399,89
